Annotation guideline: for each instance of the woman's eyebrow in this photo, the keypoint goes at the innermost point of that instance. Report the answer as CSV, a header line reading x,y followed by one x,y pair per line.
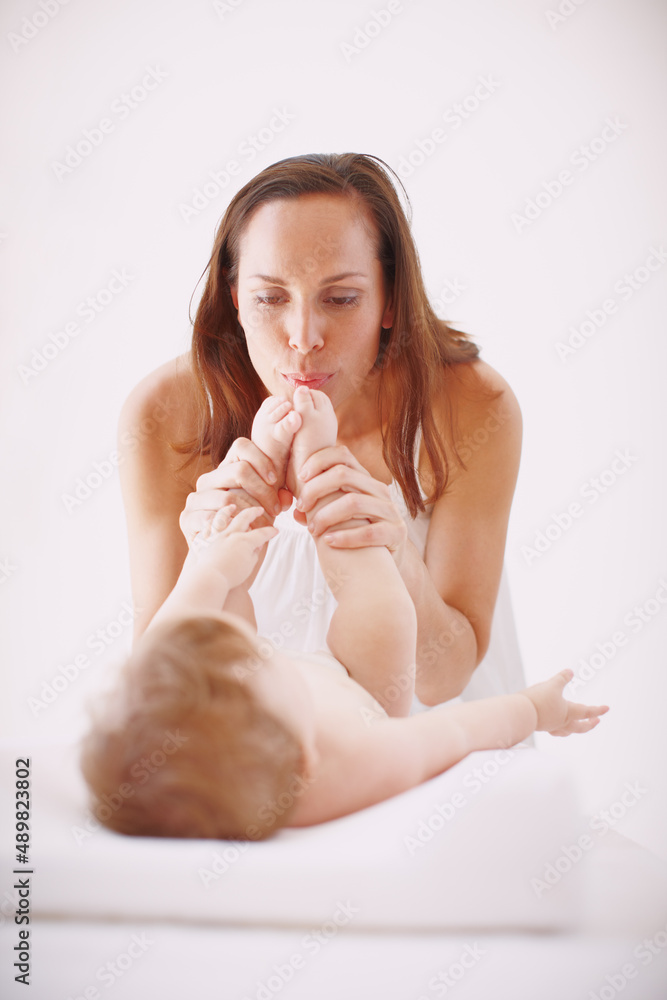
x,y
327,281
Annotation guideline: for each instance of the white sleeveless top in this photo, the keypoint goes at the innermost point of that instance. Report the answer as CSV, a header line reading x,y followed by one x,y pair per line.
x,y
294,605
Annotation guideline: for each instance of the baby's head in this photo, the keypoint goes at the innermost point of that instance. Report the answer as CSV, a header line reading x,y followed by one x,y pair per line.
x,y
189,745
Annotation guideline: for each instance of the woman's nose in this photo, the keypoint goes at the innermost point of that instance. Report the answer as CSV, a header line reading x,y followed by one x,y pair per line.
x,y
304,329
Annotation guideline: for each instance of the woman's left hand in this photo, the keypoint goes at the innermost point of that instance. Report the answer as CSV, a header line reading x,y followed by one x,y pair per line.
x,y
336,468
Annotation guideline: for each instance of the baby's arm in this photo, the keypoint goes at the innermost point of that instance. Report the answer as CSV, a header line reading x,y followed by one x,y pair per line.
x,y
375,757
448,733
220,558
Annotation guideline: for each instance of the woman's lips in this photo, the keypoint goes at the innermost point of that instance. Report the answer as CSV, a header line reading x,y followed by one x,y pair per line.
x,y
314,380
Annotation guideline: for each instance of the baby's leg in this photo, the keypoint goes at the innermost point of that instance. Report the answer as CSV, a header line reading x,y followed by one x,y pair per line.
x,y
272,431
239,602
373,630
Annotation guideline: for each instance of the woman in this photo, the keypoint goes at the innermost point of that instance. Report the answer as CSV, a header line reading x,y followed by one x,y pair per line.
x,y
314,279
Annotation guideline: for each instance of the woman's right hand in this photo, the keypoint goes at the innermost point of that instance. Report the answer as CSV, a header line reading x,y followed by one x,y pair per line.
x,y
244,477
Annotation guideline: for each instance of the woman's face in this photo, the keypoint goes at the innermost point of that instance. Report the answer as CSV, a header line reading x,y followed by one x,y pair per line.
x,y
311,296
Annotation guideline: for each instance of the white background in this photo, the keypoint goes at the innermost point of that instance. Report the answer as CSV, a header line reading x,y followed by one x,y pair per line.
x,y
66,571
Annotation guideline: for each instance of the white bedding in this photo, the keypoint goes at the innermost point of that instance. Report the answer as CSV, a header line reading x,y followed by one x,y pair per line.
x,y
491,843
195,962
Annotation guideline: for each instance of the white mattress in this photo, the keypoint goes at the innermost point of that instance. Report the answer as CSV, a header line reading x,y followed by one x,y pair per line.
x,y
221,963
485,836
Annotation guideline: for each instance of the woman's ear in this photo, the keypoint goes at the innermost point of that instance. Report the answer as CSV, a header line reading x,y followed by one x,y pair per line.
x,y
235,296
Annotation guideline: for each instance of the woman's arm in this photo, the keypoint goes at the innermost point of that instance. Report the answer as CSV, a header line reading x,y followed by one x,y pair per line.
x,y
159,409
454,587
163,505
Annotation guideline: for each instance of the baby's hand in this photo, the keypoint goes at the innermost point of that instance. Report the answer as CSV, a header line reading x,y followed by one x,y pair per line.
x,y
557,716
229,544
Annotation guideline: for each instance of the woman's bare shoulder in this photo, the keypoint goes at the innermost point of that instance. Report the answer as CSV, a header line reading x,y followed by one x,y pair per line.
x,y
476,392
161,412
167,397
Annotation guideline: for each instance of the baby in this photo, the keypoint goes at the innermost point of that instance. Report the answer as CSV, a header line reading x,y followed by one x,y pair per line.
x,y
373,631
208,735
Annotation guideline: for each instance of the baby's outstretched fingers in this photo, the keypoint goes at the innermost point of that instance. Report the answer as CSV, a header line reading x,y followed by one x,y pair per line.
x,y
582,726
587,711
580,718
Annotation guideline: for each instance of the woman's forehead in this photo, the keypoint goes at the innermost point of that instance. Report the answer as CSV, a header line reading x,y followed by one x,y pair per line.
x,y
334,232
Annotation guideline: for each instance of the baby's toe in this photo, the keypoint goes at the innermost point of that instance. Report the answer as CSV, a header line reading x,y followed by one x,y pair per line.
x,y
268,416
285,429
274,408
303,400
321,402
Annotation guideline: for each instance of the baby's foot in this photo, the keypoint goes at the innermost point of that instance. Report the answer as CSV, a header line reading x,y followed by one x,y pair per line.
x,y
273,429
319,429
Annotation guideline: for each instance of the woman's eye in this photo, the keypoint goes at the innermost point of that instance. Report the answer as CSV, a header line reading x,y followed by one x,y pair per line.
x,y
339,301
267,300
343,300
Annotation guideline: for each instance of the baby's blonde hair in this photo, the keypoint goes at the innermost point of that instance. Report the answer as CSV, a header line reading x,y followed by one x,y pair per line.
x,y
184,748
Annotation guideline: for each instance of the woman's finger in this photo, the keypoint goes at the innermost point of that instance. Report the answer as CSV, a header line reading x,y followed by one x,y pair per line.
x,y
235,476
243,451
324,459
365,535
344,478
354,505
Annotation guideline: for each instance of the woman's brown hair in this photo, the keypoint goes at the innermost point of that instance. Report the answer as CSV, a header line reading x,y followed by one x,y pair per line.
x,y
417,357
